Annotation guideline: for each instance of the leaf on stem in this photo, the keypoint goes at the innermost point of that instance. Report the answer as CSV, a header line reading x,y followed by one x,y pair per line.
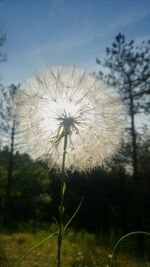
x,y
72,217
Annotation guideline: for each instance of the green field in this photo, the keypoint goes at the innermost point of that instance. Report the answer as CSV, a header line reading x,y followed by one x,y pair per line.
x,y
79,250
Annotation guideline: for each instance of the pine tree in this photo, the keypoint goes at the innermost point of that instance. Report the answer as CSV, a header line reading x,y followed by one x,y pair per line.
x,y
126,68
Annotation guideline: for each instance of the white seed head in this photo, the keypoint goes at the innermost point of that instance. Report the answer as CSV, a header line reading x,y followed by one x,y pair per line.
x,y
65,100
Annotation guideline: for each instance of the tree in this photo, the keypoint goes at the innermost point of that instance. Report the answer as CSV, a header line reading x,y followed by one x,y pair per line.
x,y
8,130
126,68
2,58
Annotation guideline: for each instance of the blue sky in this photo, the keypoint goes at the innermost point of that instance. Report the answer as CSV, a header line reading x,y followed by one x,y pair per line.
x,y
41,33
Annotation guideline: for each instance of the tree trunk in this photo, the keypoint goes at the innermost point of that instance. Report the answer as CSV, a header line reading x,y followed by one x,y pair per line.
x,y
9,179
139,224
133,133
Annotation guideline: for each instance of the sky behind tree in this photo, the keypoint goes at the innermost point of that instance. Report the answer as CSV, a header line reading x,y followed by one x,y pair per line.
x,y
41,33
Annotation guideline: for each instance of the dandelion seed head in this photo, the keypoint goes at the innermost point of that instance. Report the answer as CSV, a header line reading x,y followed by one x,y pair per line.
x,y
65,100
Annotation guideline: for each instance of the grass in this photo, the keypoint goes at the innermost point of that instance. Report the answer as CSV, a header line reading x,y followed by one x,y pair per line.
x,y
79,250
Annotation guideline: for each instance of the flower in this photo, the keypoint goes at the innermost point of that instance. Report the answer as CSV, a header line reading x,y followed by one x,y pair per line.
x,y
65,100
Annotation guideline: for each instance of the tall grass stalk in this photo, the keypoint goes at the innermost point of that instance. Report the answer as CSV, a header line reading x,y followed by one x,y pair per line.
x,y
122,238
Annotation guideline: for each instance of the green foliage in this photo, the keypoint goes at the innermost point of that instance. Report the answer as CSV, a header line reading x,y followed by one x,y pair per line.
x,y
30,193
110,198
110,195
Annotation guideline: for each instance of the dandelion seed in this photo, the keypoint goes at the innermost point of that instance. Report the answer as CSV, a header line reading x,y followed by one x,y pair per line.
x,y
60,101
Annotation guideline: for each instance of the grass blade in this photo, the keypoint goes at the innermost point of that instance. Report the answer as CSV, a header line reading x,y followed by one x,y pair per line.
x,y
35,247
122,238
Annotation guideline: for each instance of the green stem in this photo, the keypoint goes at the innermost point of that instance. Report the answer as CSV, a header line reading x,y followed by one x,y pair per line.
x,y
61,207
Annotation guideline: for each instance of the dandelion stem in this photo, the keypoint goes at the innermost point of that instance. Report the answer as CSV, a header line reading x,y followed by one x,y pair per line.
x,y
61,207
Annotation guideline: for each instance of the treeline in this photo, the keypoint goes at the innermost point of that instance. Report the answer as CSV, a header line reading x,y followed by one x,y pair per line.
x,y
112,198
